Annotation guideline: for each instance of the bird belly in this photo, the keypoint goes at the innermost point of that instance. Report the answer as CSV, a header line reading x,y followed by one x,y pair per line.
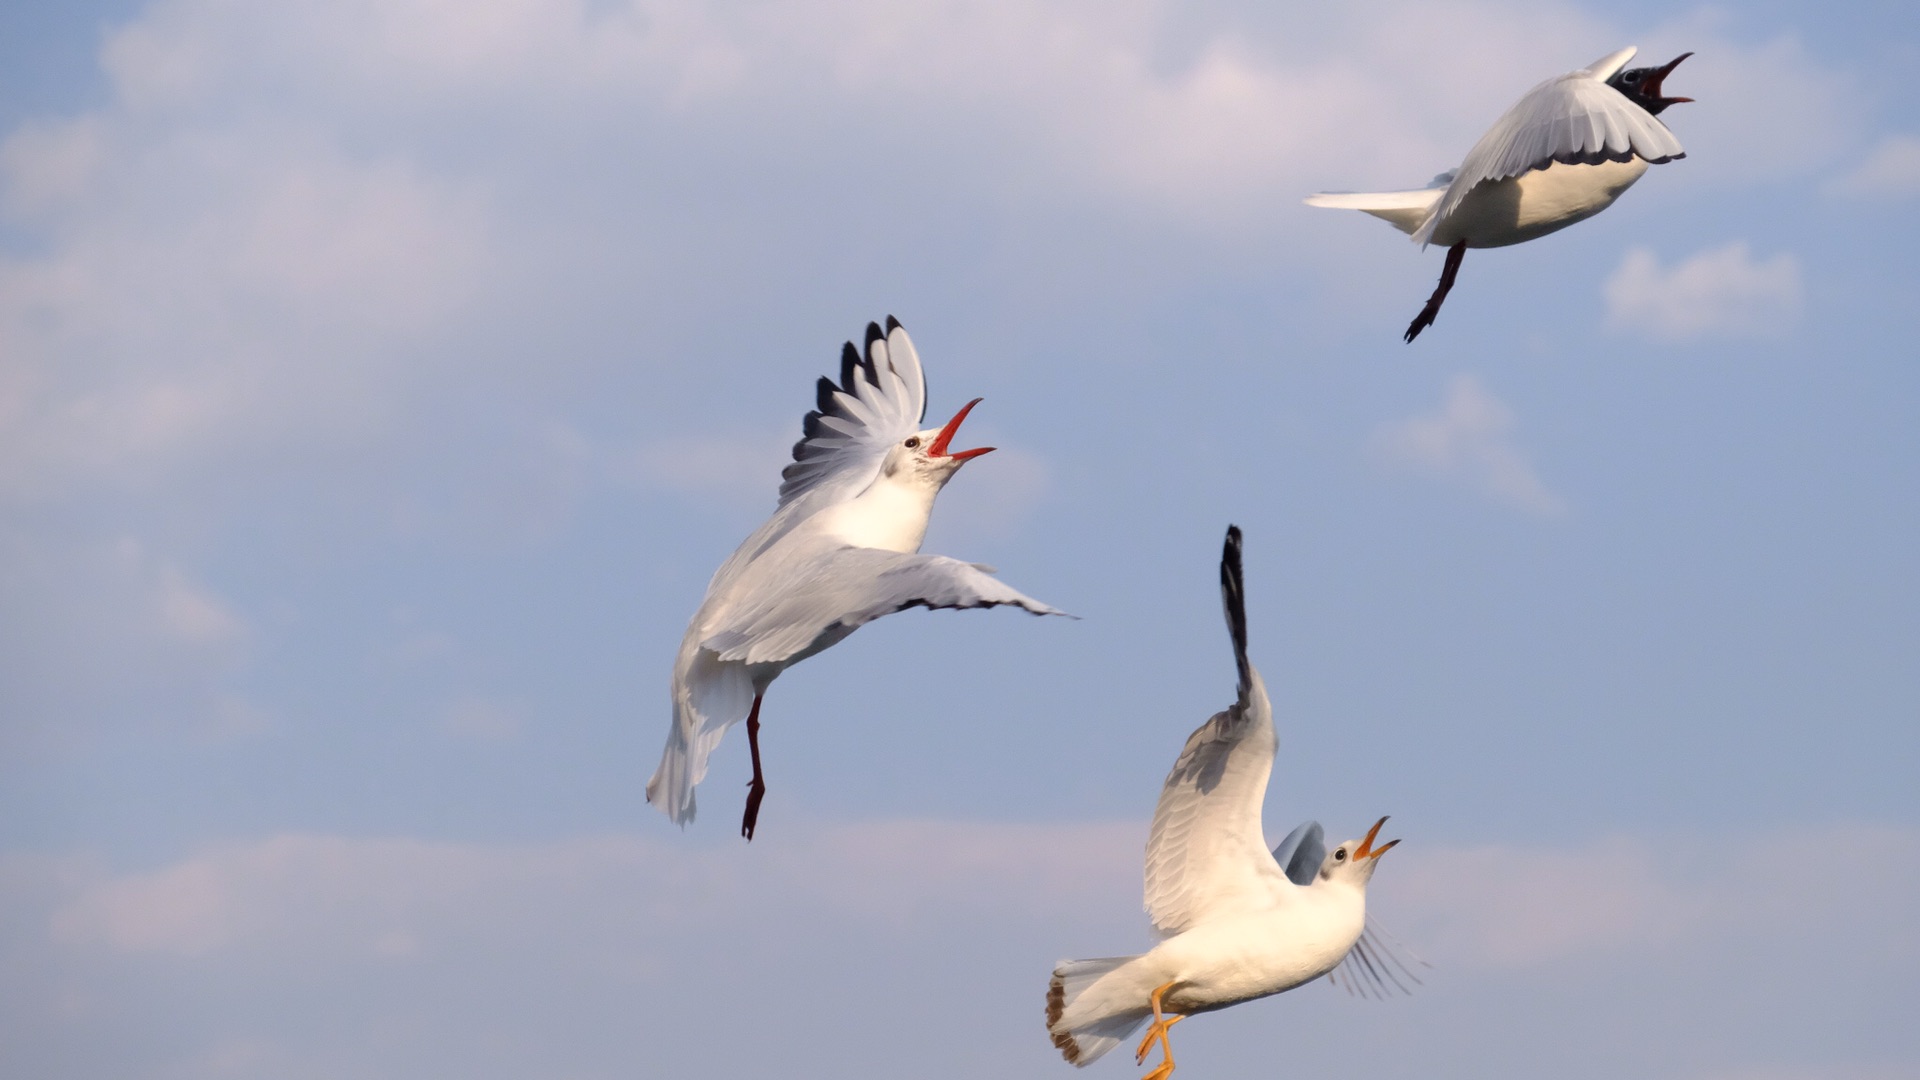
x,y
1533,204
1254,957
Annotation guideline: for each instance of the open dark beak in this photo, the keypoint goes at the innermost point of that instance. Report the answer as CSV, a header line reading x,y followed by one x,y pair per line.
x,y
940,441
1367,850
1651,87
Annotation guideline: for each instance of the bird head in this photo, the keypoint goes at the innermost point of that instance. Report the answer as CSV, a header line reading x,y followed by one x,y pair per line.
x,y
1353,861
1642,85
926,455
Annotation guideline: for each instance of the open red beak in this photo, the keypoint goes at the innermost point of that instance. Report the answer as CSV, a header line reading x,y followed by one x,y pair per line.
x,y
1367,850
940,441
1652,86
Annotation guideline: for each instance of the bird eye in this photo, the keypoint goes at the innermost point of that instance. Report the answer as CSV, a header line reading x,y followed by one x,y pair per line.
x,y
1340,855
913,442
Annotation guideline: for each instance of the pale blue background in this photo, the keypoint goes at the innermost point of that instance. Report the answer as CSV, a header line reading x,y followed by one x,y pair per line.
x,y
380,383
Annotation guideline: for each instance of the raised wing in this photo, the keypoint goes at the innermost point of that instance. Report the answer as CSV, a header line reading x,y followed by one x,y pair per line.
x,y
1574,119
1207,852
880,398
795,611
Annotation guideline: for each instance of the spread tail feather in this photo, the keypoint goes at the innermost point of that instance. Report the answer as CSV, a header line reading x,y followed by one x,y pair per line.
x,y
710,696
1083,1040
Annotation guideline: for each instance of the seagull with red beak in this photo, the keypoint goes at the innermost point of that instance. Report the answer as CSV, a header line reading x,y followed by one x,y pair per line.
x,y
1238,922
840,551
1562,154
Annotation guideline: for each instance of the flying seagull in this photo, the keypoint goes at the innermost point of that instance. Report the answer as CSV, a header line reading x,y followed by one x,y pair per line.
x,y
839,552
1562,154
1238,922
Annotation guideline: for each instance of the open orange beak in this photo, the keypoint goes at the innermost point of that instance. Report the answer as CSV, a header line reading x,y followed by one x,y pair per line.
x,y
1367,850
940,441
1651,87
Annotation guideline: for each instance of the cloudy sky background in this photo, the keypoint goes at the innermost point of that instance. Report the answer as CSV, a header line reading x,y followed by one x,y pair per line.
x,y
380,383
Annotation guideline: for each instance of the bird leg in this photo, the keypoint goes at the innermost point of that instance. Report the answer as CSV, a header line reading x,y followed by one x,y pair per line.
x,y
1425,318
1158,1033
757,787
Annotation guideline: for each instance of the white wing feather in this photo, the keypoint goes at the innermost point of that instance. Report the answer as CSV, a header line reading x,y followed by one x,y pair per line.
x,y
1574,119
814,598
880,399
1207,852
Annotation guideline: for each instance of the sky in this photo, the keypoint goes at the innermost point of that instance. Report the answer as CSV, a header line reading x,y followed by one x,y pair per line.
x,y
380,383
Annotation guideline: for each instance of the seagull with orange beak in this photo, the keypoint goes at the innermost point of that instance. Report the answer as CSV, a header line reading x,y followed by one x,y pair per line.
x,y
840,551
1562,154
1238,922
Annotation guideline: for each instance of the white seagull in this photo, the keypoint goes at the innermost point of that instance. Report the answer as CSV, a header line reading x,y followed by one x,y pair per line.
x,y
839,552
1562,154
1238,922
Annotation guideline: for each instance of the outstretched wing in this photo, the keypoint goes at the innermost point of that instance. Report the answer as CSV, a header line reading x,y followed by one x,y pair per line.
x,y
1574,119
795,611
1207,852
1375,968
880,399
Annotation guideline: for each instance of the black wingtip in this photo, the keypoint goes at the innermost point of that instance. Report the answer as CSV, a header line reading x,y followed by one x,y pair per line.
x,y
892,324
1233,598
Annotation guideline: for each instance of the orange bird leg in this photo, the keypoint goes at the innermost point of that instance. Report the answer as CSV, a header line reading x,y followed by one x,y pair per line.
x,y
1158,1033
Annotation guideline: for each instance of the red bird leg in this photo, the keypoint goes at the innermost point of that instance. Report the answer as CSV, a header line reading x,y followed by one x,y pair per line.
x,y
757,787
1425,318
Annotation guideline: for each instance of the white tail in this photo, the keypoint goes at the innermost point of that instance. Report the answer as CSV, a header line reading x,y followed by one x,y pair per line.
x,y
1404,210
709,696
1083,1041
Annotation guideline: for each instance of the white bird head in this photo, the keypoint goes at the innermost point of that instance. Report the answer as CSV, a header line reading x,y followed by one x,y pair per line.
x,y
1353,862
923,457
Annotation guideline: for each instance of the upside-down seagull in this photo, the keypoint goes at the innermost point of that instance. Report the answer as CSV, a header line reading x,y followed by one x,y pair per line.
x,y
839,552
1562,154
1238,922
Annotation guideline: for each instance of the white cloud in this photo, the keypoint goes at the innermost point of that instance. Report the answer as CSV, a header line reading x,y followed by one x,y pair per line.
x,y
334,934
1724,292
1468,440
1891,170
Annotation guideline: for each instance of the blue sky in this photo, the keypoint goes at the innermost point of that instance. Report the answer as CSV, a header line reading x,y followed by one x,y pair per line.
x,y
381,382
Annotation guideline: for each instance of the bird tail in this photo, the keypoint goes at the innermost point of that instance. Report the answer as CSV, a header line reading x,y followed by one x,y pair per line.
x,y
710,695
1084,1026
1404,210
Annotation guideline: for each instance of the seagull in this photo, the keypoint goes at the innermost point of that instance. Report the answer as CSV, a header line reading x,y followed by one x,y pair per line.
x,y
1564,153
840,551
1238,922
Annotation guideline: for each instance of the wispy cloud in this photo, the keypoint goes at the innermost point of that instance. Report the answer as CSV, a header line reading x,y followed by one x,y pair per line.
x,y
644,921
1724,292
1891,170
1468,440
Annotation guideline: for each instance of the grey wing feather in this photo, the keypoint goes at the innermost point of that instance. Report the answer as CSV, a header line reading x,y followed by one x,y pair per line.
x,y
1206,851
881,397
826,595
1302,852
1574,119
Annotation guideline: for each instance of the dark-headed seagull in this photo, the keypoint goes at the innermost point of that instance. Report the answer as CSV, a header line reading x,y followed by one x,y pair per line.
x,y
1562,154
840,551
1238,922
